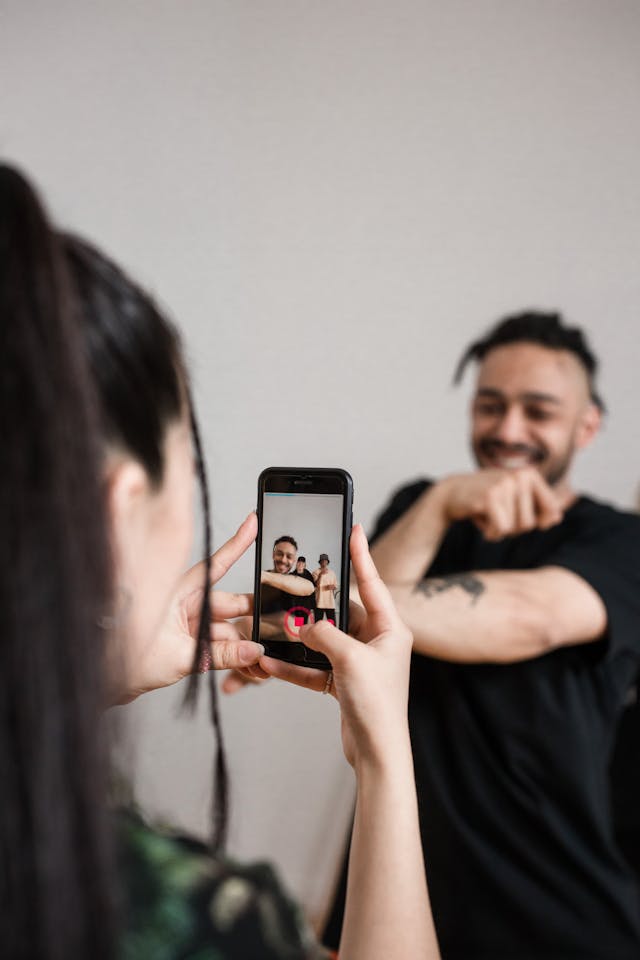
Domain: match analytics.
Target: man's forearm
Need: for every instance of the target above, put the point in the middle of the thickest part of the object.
(500, 616)
(297, 586)
(468, 619)
(406, 550)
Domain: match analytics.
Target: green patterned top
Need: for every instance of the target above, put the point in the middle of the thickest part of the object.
(182, 903)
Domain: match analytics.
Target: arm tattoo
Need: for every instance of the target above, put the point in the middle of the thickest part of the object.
(466, 581)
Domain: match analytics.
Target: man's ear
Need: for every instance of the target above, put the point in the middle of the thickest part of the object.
(589, 426)
(127, 495)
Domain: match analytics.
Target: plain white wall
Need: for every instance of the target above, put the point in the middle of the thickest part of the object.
(333, 198)
(314, 521)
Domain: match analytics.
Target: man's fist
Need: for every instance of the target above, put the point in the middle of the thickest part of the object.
(501, 503)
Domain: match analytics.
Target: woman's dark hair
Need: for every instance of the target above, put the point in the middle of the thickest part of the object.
(546, 330)
(135, 358)
(133, 353)
(55, 894)
(85, 357)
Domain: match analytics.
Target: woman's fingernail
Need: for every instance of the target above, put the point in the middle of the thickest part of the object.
(248, 516)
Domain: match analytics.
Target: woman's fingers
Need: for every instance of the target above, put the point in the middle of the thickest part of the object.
(232, 550)
(222, 559)
(230, 650)
(373, 593)
(327, 639)
(224, 606)
(357, 618)
(233, 654)
(237, 679)
(302, 676)
(227, 606)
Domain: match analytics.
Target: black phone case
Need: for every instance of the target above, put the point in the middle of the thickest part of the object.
(292, 651)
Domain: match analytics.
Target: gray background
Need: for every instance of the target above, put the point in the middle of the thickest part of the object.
(314, 521)
(332, 198)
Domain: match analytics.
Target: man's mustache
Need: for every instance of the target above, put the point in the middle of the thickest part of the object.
(512, 449)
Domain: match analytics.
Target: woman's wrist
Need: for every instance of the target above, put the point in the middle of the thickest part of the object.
(390, 756)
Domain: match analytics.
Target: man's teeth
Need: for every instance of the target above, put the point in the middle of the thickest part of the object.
(513, 463)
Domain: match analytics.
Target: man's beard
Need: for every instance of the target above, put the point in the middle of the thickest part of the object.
(553, 470)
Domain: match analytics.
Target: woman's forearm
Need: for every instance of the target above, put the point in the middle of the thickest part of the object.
(387, 912)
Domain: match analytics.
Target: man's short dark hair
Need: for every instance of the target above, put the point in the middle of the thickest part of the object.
(285, 539)
(547, 330)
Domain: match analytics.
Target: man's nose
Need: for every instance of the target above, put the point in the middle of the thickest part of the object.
(512, 427)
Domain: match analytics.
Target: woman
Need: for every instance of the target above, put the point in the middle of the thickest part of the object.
(96, 500)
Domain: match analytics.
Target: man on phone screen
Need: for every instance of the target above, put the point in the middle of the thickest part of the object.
(326, 586)
(281, 590)
(523, 596)
(306, 603)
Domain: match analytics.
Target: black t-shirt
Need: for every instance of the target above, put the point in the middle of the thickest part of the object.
(512, 760)
(309, 601)
(274, 600)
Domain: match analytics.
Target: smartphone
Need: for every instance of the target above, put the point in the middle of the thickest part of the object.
(305, 516)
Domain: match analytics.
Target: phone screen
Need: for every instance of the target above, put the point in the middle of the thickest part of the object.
(303, 556)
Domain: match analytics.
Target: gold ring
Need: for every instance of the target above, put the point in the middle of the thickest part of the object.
(329, 683)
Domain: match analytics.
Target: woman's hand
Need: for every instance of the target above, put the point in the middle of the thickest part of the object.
(370, 673)
(387, 912)
(169, 657)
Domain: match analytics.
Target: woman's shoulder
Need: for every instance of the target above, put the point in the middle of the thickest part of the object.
(181, 901)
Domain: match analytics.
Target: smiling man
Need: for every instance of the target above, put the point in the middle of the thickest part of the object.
(524, 600)
(285, 595)
(281, 589)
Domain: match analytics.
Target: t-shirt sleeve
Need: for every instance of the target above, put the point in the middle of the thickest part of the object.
(606, 554)
(397, 505)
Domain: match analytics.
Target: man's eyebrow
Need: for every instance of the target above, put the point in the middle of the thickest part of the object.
(531, 396)
(489, 392)
(538, 397)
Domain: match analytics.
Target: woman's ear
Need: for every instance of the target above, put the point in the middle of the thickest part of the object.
(589, 425)
(127, 504)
